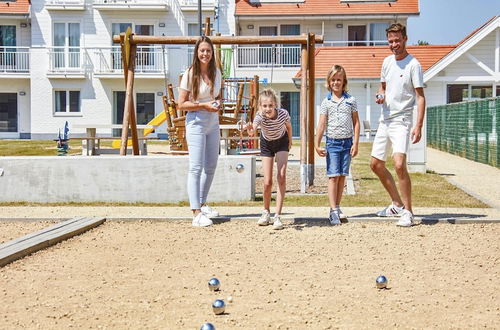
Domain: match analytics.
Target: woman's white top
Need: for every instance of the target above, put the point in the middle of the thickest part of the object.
(204, 90)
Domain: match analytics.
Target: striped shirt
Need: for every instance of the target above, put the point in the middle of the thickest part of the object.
(339, 116)
(272, 129)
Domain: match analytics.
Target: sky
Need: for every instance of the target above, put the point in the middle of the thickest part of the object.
(445, 22)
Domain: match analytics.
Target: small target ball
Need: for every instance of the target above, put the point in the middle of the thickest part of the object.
(240, 168)
(219, 306)
(207, 326)
(381, 282)
(230, 299)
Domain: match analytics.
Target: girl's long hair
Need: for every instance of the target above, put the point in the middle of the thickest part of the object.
(195, 69)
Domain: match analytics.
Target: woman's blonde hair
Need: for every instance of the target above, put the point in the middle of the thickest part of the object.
(333, 71)
(270, 93)
(195, 69)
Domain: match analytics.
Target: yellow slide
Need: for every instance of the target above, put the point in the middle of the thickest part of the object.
(157, 121)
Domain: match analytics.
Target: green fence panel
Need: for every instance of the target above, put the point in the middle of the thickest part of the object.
(467, 129)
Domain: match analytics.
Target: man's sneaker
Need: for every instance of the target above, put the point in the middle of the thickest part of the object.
(201, 220)
(209, 212)
(277, 224)
(334, 218)
(341, 214)
(391, 211)
(265, 218)
(406, 219)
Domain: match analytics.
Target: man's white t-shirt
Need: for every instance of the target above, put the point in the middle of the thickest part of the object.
(401, 78)
(204, 91)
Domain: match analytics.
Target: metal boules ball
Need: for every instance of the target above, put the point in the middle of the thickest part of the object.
(214, 284)
(240, 168)
(381, 282)
(207, 326)
(218, 306)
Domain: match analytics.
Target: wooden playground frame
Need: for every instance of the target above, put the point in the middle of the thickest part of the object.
(129, 41)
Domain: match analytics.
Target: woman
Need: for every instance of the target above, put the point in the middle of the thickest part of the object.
(198, 92)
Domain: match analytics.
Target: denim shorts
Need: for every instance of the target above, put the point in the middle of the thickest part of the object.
(338, 156)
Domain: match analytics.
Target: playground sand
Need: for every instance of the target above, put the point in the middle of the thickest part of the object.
(135, 275)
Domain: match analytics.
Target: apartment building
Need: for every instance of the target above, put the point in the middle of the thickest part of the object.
(61, 64)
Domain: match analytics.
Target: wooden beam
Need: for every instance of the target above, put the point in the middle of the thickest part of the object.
(129, 111)
(303, 117)
(310, 113)
(23, 246)
(227, 40)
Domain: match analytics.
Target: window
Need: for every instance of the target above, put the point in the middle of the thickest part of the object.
(291, 102)
(66, 45)
(145, 104)
(7, 38)
(8, 112)
(67, 101)
(356, 34)
(377, 34)
(464, 92)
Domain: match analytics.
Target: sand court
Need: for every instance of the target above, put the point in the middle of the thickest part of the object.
(143, 274)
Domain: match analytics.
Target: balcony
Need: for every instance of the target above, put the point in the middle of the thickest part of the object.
(151, 61)
(65, 4)
(352, 43)
(192, 5)
(155, 5)
(265, 56)
(14, 61)
(68, 62)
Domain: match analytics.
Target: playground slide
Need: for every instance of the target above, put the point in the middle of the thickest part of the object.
(158, 120)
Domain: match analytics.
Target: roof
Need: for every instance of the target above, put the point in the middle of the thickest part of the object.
(366, 62)
(18, 7)
(324, 7)
(463, 46)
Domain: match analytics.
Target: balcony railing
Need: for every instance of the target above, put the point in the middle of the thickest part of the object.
(67, 59)
(268, 55)
(14, 59)
(344, 43)
(192, 3)
(137, 4)
(150, 59)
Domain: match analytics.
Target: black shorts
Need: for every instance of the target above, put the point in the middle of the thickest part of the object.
(270, 148)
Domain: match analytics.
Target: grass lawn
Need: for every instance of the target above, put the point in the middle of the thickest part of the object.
(429, 189)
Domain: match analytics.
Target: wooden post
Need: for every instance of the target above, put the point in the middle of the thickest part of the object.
(166, 109)
(129, 111)
(208, 31)
(241, 89)
(173, 104)
(310, 114)
(304, 62)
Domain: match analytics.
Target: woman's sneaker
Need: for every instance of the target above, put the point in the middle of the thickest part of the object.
(391, 211)
(406, 219)
(277, 224)
(265, 218)
(334, 218)
(341, 214)
(209, 212)
(201, 220)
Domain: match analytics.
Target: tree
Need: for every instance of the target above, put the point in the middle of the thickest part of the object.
(422, 43)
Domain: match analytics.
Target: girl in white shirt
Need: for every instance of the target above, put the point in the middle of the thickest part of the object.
(198, 92)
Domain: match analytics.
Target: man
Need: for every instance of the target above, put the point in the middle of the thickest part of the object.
(401, 89)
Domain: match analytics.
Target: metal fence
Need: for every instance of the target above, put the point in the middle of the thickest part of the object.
(467, 129)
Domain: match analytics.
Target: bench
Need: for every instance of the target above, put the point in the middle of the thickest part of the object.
(91, 146)
(89, 142)
(367, 129)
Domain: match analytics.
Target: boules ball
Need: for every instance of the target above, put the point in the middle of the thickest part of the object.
(214, 284)
(218, 306)
(207, 326)
(230, 299)
(240, 168)
(381, 282)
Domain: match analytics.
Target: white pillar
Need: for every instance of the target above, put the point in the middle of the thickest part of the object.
(368, 107)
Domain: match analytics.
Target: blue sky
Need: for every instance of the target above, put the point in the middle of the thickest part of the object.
(443, 22)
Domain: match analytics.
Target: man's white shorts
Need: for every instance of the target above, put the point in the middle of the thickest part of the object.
(395, 133)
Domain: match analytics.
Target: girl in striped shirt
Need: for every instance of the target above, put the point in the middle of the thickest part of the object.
(275, 141)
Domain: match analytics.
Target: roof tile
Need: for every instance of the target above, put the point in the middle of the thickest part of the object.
(15, 7)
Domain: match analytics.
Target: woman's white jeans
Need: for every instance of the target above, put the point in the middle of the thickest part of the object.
(203, 138)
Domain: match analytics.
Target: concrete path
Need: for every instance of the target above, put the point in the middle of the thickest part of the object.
(479, 180)
(355, 214)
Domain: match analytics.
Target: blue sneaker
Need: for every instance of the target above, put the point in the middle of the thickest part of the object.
(334, 218)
